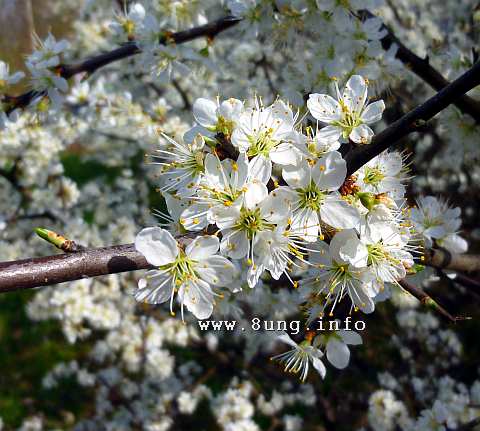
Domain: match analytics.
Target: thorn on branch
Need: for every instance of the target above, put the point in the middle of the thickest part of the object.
(59, 241)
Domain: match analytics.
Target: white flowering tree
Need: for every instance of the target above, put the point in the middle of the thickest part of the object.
(231, 181)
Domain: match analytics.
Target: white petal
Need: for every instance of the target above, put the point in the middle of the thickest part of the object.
(454, 243)
(260, 169)
(156, 290)
(283, 112)
(324, 108)
(240, 140)
(361, 134)
(286, 339)
(305, 223)
(17, 76)
(195, 217)
(319, 366)
(60, 83)
(276, 206)
(359, 294)
(157, 245)
(217, 271)
(338, 353)
(256, 193)
(253, 275)
(350, 337)
(346, 247)
(190, 135)
(297, 176)
(198, 298)
(234, 245)
(205, 112)
(338, 213)
(330, 171)
(226, 216)
(240, 174)
(355, 93)
(329, 134)
(285, 154)
(202, 247)
(373, 112)
(230, 109)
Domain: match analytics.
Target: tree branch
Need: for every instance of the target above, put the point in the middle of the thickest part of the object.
(44, 271)
(129, 49)
(413, 120)
(427, 301)
(422, 68)
(441, 258)
(92, 262)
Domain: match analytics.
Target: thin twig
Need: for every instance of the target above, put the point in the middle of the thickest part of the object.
(423, 69)
(187, 105)
(90, 65)
(441, 258)
(413, 120)
(426, 300)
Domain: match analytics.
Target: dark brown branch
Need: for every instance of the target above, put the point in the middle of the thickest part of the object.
(129, 49)
(44, 271)
(423, 69)
(414, 119)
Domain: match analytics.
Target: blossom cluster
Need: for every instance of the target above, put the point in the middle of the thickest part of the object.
(267, 197)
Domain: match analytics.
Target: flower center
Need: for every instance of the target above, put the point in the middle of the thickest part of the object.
(193, 163)
(432, 222)
(349, 120)
(251, 222)
(373, 176)
(224, 126)
(128, 27)
(378, 254)
(311, 197)
(182, 269)
(262, 143)
(340, 274)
